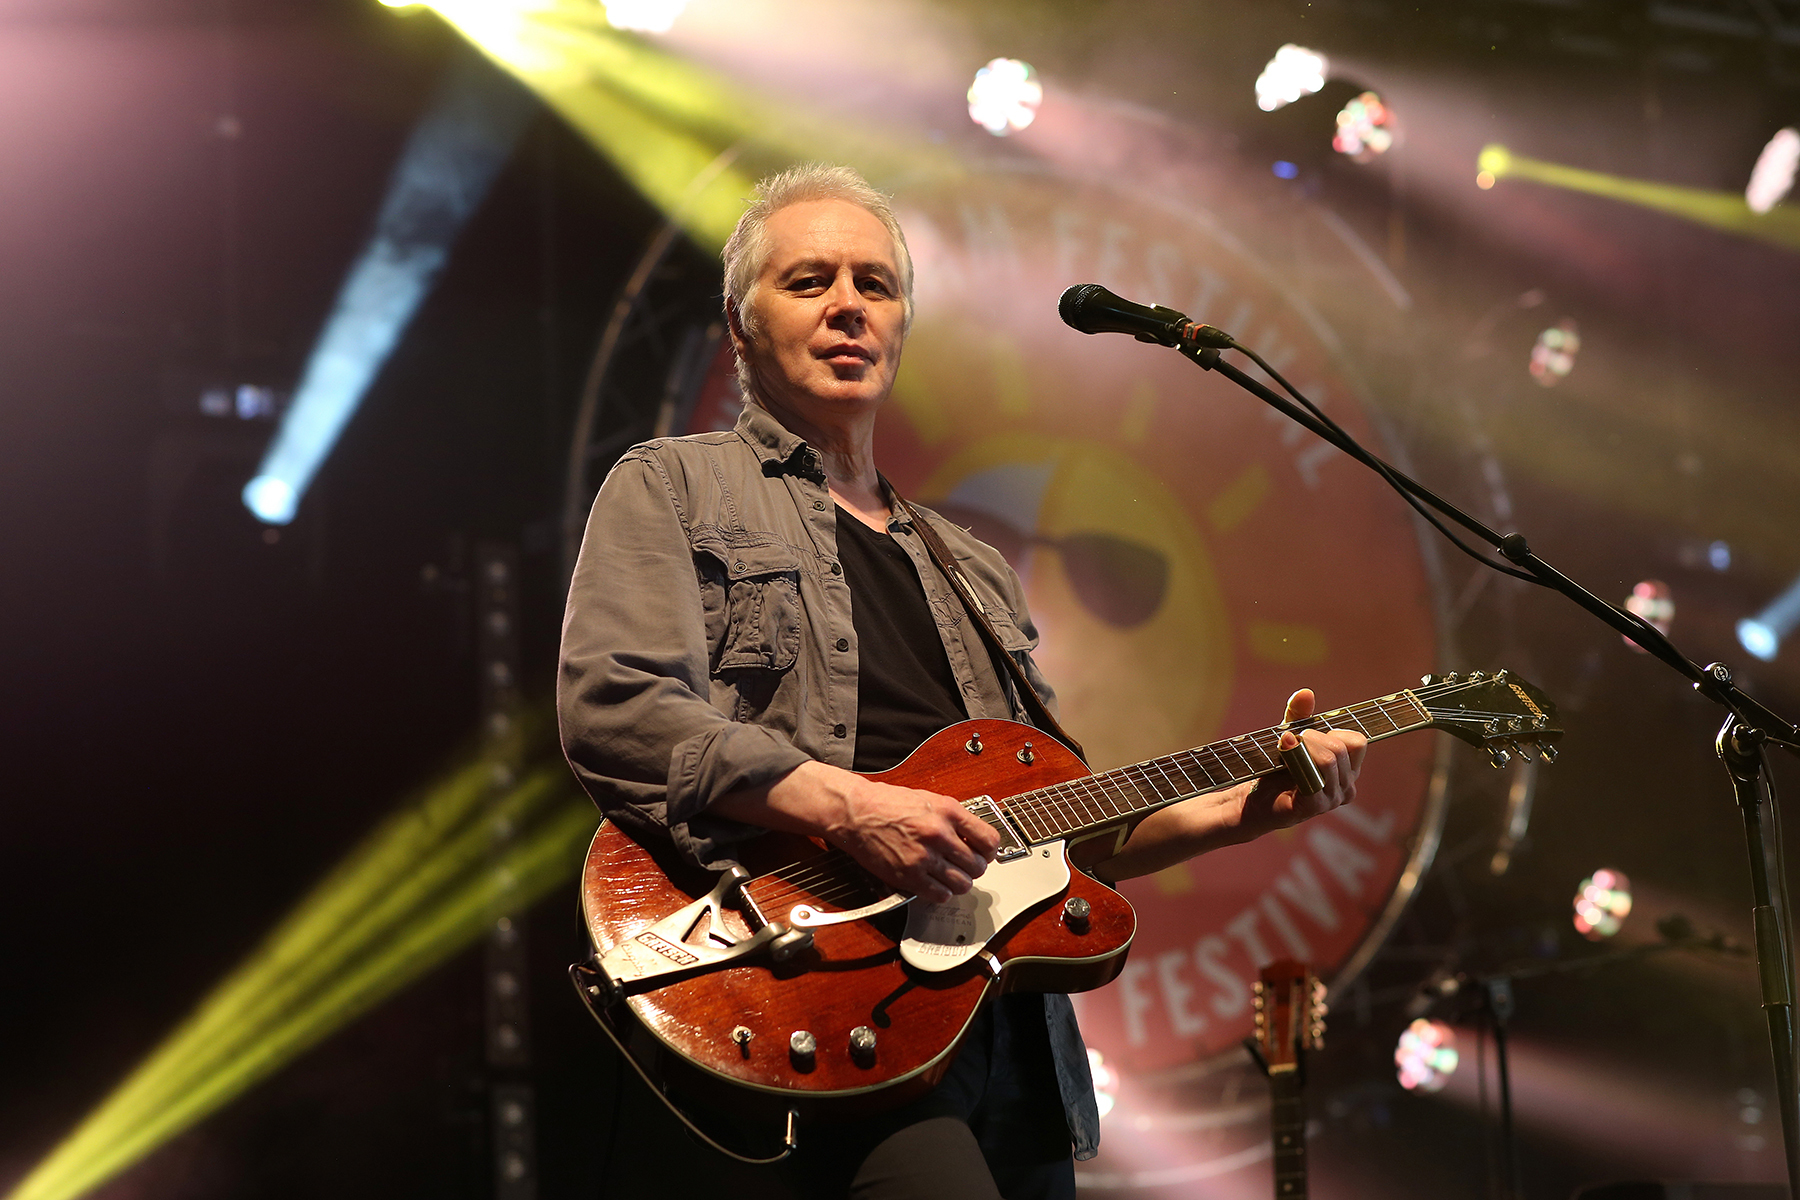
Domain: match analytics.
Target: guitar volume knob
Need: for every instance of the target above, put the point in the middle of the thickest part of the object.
(862, 1045)
(1076, 911)
(803, 1047)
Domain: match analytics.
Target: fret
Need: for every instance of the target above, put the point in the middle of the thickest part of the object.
(1024, 812)
(1232, 746)
(1219, 773)
(1146, 801)
(1200, 763)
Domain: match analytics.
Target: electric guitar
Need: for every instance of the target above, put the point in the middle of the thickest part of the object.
(797, 978)
(1290, 1018)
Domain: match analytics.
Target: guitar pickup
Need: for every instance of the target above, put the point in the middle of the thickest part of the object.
(1012, 843)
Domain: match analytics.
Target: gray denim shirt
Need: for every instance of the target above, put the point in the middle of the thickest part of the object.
(708, 646)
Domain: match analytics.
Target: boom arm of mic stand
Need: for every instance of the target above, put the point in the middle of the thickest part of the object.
(1713, 682)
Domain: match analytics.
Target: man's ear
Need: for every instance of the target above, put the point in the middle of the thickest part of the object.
(734, 324)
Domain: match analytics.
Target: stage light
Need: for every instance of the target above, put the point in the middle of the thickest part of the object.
(1718, 556)
(1294, 72)
(1602, 904)
(643, 16)
(1727, 211)
(1652, 600)
(1762, 634)
(422, 886)
(442, 176)
(1005, 96)
(1106, 1082)
(1365, 128)
(1426, 1056)
(1773, 176)
(1285, 170)
(1554, 355)
(1484, 180)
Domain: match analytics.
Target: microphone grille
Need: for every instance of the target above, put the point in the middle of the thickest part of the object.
(1073, 301)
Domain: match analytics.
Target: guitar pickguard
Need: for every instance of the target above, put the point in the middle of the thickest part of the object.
(940, 937)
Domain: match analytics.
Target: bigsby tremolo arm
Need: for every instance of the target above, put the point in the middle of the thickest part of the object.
(663, 952)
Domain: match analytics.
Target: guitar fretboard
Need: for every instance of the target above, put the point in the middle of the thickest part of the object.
(1096, 801)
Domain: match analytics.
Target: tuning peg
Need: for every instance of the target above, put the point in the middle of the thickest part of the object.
(1526, 750)
(1498, 756)
(1549, 753)
(1427, 680)
(1452, 677)
(1477, 676)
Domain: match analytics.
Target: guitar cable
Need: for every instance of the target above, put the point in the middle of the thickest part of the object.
(790, 1138)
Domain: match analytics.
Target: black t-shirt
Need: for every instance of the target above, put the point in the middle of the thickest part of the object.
(905, 691)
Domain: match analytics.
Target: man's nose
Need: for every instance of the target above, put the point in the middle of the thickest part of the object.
(843, 300)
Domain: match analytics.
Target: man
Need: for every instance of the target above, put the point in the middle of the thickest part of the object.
(754, 621)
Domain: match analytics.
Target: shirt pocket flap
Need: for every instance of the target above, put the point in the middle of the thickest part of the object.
(762, 605)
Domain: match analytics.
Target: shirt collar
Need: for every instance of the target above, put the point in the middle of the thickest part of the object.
(777, 449)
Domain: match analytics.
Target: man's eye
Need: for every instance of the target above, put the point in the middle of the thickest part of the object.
(875, 285)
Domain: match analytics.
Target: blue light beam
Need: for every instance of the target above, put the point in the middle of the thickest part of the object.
(1761, 635)
(448, 164)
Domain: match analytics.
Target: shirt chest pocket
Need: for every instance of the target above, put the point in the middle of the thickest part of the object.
(761, 627)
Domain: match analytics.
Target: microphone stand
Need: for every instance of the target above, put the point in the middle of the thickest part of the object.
(1494, 1000)
(1748, 724)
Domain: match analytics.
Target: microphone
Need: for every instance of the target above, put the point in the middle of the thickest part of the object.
(1090, 308)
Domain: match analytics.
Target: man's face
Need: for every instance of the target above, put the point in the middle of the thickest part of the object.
(830, 313)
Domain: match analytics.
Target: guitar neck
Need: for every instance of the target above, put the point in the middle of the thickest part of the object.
(1287, 1126)
(1094, 802)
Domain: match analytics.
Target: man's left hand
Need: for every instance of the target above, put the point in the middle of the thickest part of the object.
(1247, 811)
(1277, 803)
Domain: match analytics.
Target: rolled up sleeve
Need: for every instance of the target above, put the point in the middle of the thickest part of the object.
(633, 685)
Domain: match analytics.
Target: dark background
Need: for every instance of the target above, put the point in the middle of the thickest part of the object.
(199, 718)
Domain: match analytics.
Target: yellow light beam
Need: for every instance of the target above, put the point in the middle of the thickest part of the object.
(662, 119)
(1726, 211)
(281, 1002)
(349, 916)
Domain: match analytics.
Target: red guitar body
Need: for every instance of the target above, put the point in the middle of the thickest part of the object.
(852, 976)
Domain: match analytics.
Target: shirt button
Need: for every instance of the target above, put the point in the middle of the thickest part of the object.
(840, 731)
(837, 568)
(819, 505)
(843, 643)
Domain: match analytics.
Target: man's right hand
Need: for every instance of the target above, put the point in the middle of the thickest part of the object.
(913, 841)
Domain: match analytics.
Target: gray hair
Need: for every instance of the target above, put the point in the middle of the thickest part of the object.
(747, 250)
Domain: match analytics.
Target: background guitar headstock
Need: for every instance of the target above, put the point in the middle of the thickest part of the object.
(1290, 1013)
(1499, 713)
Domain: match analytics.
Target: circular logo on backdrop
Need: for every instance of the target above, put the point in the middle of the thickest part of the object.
(1189, 555)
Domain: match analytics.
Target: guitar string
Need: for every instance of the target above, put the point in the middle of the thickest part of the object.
(1043, 802)
(1092, 799)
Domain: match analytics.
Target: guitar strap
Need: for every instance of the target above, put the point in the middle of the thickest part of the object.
(1035, 708)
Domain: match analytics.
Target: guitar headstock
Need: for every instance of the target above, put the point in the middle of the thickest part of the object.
(1290, 1013)
(1499, 713)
